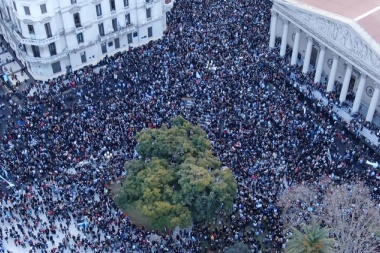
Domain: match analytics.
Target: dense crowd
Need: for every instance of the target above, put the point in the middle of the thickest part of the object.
(214, 67)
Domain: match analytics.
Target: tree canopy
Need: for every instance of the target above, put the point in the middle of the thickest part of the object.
(310, 239)
(347, 210)
(178, 180)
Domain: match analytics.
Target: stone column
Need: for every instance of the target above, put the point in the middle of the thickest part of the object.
(321, 58)
(359, 93)
(295, 47)
(284, 38)
(306, 61)
(374, 102)
(346, 83)
(330, 84)
(273, 28)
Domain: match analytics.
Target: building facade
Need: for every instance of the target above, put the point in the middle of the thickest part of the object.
(339, 45)
(51, 37)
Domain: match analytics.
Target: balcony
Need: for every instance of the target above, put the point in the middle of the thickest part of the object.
(149, 3)
(34, 41)
(44, 60)
(127, 29)
(168, 6)
(150, 20)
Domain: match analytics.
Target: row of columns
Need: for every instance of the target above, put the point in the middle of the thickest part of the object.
(319, 68)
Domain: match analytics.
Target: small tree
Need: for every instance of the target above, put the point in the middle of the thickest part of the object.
(178, 180)
(309, 239)
(348, 210)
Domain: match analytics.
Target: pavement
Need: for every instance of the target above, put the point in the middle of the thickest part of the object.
(10, 64)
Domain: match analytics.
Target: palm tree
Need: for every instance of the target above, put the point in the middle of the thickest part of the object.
(310, 239)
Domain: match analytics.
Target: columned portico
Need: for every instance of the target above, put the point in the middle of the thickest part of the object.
(334, 67)
(321, 58)
(374, 102)
(295, 47)
(273, 28)
(306, 62)
(346, 83)
(284, 38)
(359, 93)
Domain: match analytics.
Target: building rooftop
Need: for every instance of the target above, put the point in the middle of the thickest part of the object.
(365, 12)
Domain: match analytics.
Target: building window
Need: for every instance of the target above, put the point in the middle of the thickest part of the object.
(98, 10)
(117, 43)
(77, 20)
(83, 57)
(126, 3)
(56, 66)
(27, 10)
(36, 51)
(148, 13)
(112, 5)
(31, 29)
(130, 38)
(48, 30)
(80, 38)
(14, 6)
(127, 19)
(114, 24)
(43, 8)
(52, 49)
(104, 48)
(101, 29)
(73, 1)
(150, 32)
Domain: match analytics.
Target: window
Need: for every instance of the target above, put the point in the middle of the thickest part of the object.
(80, 38)
(104, 48)
(114, 24)
(101, 29)
(73, 1)
(31, 29)
(112, 5)
(14, 6)
(150, 32)
(77, 20)
(148, 13)
(52, 49)
(130, 38)
(98, 8)
(83, 57)
(127, 19)
(56, 66)
(27, 10)
(43, 8)
(48, 30)
(126, 3)
(117, 43)
(36, 51)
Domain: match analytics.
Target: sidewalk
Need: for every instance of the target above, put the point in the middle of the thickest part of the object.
(10, 64)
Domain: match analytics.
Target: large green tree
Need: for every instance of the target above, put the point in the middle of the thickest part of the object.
(178, 180)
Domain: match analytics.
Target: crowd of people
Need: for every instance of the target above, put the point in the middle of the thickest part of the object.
(214, 54)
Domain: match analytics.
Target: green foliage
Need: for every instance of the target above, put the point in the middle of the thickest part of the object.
(238, 247)
(310, 239)
(178, 180)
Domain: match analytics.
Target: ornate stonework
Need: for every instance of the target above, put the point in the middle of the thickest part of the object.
(339, 36)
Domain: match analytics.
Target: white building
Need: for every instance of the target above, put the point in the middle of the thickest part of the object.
(337, 39)
(51, 36)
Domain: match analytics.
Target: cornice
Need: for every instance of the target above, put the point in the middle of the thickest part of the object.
(339, 35)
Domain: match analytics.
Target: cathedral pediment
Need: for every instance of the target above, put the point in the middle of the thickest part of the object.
(341, 34)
